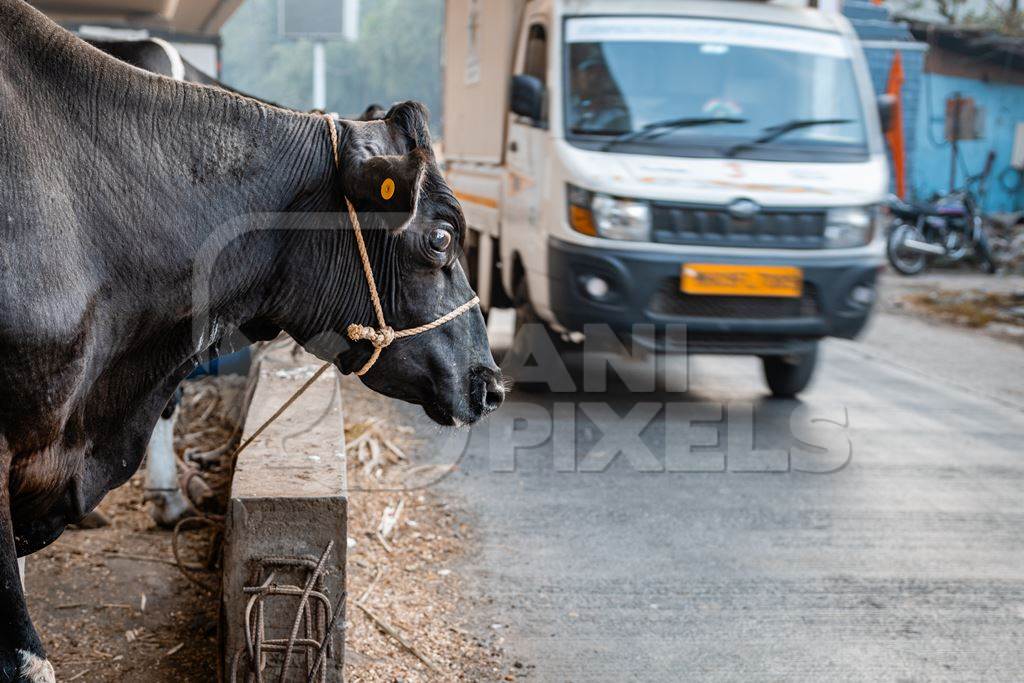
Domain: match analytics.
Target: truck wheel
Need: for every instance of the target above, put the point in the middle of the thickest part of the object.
(533, 336)
(498, 297)
(787, 376)
(467, 260)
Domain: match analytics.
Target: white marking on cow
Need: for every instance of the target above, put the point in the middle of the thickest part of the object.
(177, 64)
(36, 669)
(206, 336)
(162, 490)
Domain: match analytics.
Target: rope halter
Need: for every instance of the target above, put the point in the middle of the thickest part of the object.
(383, 335)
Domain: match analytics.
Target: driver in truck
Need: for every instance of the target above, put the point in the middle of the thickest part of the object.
(597, 102)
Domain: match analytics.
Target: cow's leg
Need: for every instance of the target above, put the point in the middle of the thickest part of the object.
(22, 659)
(167, 505)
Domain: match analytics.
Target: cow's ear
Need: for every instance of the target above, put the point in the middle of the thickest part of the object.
(389, 186)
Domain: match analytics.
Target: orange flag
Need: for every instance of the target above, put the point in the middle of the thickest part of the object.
(897, 144)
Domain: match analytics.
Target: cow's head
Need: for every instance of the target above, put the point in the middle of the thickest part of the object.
(415, 228)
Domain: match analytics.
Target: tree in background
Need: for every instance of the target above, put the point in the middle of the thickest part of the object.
(397, 57)
(1004, 16)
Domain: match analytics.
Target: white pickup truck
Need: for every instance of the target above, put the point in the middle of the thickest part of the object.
(652, 164)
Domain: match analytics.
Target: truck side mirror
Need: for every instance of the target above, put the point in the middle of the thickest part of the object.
(528, 97)
(886, 108)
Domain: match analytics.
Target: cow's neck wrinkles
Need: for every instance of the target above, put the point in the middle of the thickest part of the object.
(133, 184)
(184, 168)
(262, 157)
(199, 165)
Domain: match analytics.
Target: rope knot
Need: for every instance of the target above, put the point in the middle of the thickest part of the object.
(382, 336)
(381, 339)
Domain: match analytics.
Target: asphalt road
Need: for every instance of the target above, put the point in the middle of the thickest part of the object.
(894, 551)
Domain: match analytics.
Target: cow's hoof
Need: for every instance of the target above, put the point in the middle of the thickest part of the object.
(35, 669)
(167, 508)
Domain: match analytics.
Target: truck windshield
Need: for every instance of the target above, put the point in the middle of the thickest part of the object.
(626, 77)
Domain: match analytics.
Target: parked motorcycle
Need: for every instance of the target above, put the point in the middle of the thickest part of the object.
(950, 228)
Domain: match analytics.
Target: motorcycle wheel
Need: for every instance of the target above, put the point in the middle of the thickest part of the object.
(905, 261)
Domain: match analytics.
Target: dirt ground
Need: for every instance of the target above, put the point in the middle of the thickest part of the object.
(407, 580)
(993, 305)
(111, 605)
(974, 308)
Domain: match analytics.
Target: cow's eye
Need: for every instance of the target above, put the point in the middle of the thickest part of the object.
(440, 239)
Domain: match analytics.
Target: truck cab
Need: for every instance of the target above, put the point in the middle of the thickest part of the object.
(714, 167)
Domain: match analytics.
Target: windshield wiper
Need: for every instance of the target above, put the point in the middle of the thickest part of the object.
(658, 128)
(773, 133)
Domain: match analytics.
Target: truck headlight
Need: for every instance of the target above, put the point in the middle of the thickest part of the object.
(600, 215)
(849, 227)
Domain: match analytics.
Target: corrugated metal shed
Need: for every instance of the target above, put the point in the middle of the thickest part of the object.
(983, 44)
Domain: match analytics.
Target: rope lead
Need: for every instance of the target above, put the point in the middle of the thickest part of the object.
(383, 335)
(380, 337)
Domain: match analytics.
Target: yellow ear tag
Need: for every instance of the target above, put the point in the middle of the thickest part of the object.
(387, 189)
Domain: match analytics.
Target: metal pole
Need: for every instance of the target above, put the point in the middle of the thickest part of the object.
(955, 151)
(319, 76)
(351, 25)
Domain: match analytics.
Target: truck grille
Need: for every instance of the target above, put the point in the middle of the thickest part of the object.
(669, 301)
(714, 226)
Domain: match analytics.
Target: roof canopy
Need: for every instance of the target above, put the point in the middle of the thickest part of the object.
(203, 17)
(984, 45)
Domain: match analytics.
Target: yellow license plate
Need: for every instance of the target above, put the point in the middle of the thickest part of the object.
(718, 279)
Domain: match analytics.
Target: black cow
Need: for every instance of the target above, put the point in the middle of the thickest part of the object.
(142, 221)
(374, 112)
(158, 56)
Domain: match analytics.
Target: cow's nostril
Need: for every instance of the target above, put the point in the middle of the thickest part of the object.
(487, 388)
(495, 396)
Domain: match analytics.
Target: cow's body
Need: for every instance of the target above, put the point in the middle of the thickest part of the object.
(167, 504)
(96, 242)
(141, 221)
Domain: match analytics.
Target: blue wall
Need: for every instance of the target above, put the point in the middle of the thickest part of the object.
(1003, 106)
(882, 37)
(924, 111)
(880, 62)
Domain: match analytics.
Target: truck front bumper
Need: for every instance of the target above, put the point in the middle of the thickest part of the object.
(643, 289)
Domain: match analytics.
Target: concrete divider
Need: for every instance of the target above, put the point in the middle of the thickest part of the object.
(286, 530)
